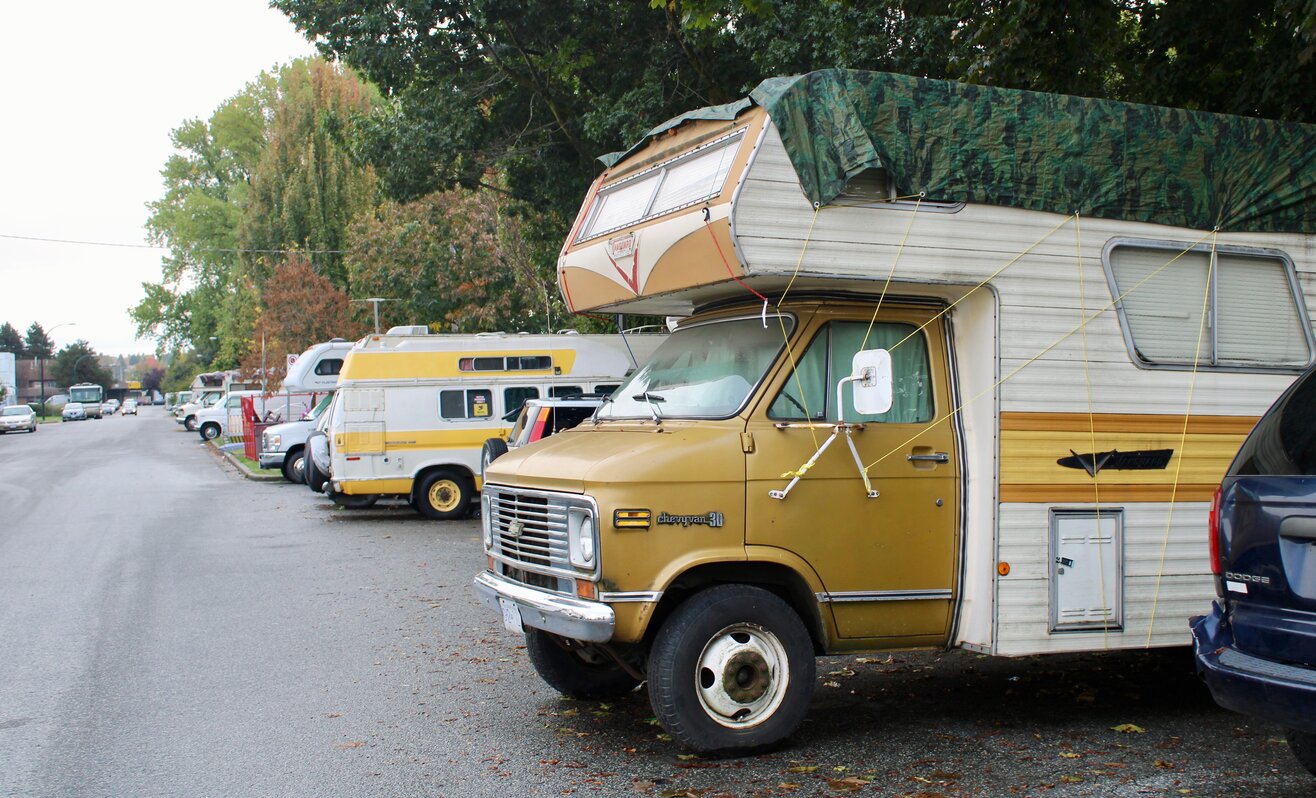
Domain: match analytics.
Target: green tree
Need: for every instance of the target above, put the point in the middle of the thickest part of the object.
(78, 362)
(11, 340)
(456, 260)
(307, 188)
(37, 344)
(152, 380)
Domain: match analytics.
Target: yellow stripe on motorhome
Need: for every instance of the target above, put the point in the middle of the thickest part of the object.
(369, 364)
(1031, 444)
(356, 443)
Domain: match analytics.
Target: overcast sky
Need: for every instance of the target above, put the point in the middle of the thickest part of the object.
(92, 90)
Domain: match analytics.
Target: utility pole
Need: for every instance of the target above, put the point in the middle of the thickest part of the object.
(375, 300)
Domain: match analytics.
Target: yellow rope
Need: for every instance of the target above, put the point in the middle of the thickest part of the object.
(1034, 358)
(781, 320)
(1183, 438)
(899, 251)
(1092, 437)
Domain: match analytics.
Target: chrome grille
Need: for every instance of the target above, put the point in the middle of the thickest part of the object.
(529, 534)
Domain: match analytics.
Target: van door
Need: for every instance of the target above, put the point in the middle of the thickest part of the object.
(888, 564)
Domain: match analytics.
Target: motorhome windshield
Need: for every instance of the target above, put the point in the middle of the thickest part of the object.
(702, 371)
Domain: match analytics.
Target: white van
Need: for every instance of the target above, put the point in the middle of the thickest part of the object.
(415, 410)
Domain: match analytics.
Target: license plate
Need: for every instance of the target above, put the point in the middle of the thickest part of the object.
(511, 616)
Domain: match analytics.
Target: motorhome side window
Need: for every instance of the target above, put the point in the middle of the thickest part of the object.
(474, 403)
(514, 398)
(329, 366)
(559, 391)
(810, 392)
(1254, 319)
(513, 363)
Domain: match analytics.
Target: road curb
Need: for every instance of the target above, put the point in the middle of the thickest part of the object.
(241, 466)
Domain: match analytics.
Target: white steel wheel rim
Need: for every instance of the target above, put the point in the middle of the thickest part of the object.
(741, 676)
(299, 468)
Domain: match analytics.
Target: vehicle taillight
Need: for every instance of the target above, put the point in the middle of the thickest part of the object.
(1213, 532)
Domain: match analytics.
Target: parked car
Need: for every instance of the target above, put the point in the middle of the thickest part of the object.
(17, 418)
(109, 406)
(1257, 648)
(73, 411)
(283, 446)
(538, 419)
(129, 408)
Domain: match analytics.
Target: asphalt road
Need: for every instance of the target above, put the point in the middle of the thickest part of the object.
(168, 628)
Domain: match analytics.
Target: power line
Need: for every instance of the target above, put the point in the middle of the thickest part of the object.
(157, 246)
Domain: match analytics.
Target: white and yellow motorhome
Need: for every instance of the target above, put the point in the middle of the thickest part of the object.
(414, 410)
(1085, 304)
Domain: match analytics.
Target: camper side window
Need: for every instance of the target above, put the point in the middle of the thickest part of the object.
(1254, 318)
(472, 403)
(810, 392)
(329, 366)
(514, 398)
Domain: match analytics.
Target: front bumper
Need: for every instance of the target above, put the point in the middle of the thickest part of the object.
(271, 459)
(1274, 691)
(568, 616)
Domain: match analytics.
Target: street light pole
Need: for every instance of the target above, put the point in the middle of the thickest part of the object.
(42, 361)
(375, 300)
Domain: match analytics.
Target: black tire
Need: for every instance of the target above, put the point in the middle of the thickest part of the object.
(209, 431)
(738, 637)
(1303, 746)
(576, 672)
(189, 423)
(315, 478)
(493, 449)
(444, 495)
(294, 465)
(353, 502)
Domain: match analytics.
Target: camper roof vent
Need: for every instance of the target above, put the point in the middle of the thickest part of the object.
(409, 329)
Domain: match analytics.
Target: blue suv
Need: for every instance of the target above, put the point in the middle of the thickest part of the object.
(1257, 648)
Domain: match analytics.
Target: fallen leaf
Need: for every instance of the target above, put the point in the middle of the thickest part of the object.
(1163, 765)
(667, 738)
(644, 786)
(802, 769)
(354, 744)
(787, 785)
(1070, 755)
(830, 683)
(1071, 779)
(847, 784)
(1128, 728)
(687, 757)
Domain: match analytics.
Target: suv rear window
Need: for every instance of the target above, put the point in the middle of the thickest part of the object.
(1284, 440)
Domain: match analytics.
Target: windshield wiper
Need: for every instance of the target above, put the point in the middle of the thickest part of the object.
(650, 400)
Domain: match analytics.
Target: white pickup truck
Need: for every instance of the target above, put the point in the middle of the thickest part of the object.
(283, 446)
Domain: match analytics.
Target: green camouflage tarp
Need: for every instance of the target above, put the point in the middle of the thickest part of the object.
(957, 142)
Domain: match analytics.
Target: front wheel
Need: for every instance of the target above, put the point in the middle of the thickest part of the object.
(731, 671)
(294, 466)
(1303, 746)
(209, 432)
(315, 478)
(444, 495)
(189, 423)
(575, 670)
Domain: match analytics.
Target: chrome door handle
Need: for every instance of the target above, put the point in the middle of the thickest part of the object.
(935, 457)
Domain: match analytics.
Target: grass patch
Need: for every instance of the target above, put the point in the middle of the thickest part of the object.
(255, 466)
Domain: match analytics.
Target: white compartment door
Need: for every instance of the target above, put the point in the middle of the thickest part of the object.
(1086, 569)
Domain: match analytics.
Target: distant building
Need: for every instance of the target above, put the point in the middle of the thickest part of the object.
(28, 379)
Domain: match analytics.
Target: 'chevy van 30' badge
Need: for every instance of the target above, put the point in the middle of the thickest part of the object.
(713, 519)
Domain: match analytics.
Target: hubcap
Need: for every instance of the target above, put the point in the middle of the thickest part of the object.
(299, 468)
(444, 495)
(741, 675)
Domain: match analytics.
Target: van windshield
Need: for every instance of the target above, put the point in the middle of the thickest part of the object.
(702, 371)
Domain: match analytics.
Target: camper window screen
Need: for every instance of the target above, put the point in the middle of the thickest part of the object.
(1253, 320)
(683, 181)
(472, 403)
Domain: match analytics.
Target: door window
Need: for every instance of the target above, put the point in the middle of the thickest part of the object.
(810, 392)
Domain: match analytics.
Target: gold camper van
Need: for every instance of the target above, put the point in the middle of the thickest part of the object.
(948, 375)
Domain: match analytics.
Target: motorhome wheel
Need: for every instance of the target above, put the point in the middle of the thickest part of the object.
(347, 502)
(444, 495)
(294, 466)
(731, 670)
(574, 670)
